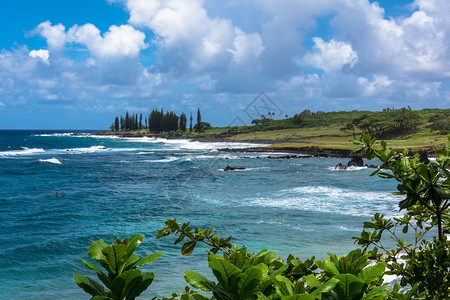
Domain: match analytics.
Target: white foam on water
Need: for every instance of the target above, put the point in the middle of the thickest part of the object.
(192, 145)
(24, 151)
(91, 149)
(51, 161)
(223, 156)
(329, 199)
(349, 169)
(104, 136)
(165, 160)
(57, 134)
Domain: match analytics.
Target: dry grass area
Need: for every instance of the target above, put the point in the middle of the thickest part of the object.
(333, 138)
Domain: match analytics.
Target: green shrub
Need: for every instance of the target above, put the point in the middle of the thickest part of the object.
(122, 279)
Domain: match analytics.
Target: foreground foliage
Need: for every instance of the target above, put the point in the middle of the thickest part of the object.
(122, 279)
(421, 265)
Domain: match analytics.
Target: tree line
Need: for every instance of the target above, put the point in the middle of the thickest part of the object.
(386, 123)
(158, 121)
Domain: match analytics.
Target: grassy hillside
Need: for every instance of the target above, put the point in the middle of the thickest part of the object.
(325, 130)
(428, 130)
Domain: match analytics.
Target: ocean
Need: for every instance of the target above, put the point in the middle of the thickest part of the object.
(112, 187)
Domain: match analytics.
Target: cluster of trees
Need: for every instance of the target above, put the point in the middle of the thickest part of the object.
(159, 122)
(385, 123)
(298, 118)
(441, 123)
(133, 122)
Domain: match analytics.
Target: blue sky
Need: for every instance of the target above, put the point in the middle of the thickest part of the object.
(77, 64)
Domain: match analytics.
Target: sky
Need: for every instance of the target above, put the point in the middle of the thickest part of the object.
(78, 64)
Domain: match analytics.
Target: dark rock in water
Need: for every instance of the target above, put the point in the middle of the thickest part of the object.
(424, 157)
(288, 156)
(371, 166)
(340, 166)
(228, 168)
(356, 162)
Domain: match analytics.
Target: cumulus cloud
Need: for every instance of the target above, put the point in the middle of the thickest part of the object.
(54, 34)
(118, 41)
(41, 53)
(331, 56)
(197, 41)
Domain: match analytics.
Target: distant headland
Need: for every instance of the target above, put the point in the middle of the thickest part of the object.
(314, 133)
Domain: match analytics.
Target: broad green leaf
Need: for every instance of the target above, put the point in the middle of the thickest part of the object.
(264, 271)
(89, 285)
(298, 297)
(328, 266)
(372, 273)
(101, 298)
(115, 257)
(130, 262)
(149, 259)
(103, 277)
(312, 281)
(225, 272)
(134, 242)
(197, 297)
(261, 296)
(283, 286)
(443, 192)
(247, 282)
(348, 287)
(358, 264)
(141, 285)
(237, 259)
(326, 287)
(196, 280)
(385, 175)
(357, 151)
(188, 247)
(344, 265)
(375, 293)
(95, 250)
(125, 282)
(279, 271)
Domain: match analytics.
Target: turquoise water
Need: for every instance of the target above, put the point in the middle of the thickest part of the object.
(118, 187)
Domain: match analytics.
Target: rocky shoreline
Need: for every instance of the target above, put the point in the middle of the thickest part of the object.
(305, 151)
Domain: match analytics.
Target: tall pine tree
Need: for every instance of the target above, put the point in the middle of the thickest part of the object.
(116, 124)
(183, 122)
(199, 121)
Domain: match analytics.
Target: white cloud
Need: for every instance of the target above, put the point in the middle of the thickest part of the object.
(41, 53)
(246, 46)
(195, 40)
(331, 56)
(118, 41)
(54, 34)
(376, 87)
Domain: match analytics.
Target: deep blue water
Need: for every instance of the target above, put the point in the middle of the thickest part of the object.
(118, 187)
